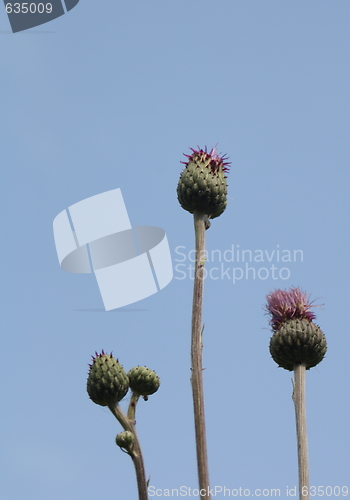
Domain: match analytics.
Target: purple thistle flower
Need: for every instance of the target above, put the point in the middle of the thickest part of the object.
(284, 305)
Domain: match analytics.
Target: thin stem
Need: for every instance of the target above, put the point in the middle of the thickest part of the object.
(200, 222)
(300, 415)
(132, 407)
(136, 454)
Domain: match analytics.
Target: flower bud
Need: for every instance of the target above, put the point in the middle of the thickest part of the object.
(107, 381)
(202, 187)
(143, 381)
(125, 440)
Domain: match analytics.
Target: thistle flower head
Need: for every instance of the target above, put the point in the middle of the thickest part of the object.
(296, 339)
(143, 381)
(285, 305)
(202, 187)
(125, 440)
(107, 381)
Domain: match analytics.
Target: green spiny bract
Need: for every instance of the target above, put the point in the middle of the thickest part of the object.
(298, 341)
(143, 381)
(125, 440)
(107, 381)
(202, 187)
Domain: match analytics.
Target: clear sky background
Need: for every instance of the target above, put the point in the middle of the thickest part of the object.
(110, 96)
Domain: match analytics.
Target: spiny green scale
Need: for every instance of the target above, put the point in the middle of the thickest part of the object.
(107, 381)
(202, 187)
(143, 381)
(298, 341)
(125, 440)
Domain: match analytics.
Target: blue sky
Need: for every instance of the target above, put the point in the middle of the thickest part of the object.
(111, 97)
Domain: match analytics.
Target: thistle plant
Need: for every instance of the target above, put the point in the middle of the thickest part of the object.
(107, 385)
(297, 344)
(202, 191)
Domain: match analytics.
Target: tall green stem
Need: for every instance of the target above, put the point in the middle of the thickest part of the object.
(200, 222)
(300, 415)
(136, 454)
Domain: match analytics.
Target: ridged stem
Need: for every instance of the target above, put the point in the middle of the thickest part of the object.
(299, 399)
(200, 222)
(136, 455)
